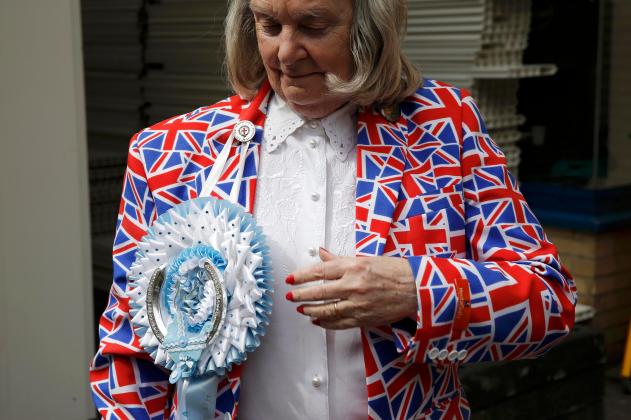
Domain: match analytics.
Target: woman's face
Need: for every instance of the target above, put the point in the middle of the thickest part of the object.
(301, 41)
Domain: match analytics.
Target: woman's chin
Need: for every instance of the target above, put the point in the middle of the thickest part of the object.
(310, 100)
(316, 109)
(303, 99)
(303, 94)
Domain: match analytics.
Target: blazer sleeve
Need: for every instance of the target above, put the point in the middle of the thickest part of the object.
(125, 383)
(510, 297)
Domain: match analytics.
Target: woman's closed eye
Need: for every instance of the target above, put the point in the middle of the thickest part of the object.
(271, 27)
(314, 29)
(275, 28)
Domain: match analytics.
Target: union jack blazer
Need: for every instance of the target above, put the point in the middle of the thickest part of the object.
(432, 187)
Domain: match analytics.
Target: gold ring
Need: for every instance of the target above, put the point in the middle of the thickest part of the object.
(337, 313)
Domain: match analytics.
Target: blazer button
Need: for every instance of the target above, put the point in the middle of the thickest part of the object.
(453, 356)
(433, 353)
(442, 355)
(462, 354)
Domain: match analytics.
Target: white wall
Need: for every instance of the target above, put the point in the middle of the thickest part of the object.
(45, 281)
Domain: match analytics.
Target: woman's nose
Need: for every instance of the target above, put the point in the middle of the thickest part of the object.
(290, 49)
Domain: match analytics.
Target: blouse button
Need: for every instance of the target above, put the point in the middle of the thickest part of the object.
(316, 381)
(312, 251)
(313, 124)
(313, 143)
(315, 196)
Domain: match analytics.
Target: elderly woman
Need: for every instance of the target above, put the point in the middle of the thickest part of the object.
(405, 245)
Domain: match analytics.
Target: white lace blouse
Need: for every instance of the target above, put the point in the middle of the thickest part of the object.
(305, 198)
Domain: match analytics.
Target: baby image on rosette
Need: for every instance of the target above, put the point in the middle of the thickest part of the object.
(200, 296)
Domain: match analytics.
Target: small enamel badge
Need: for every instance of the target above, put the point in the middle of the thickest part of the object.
(244, 131)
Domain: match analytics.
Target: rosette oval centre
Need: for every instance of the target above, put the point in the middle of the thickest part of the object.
(188, 306)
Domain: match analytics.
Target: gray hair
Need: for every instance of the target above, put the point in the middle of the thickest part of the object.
(382, 73)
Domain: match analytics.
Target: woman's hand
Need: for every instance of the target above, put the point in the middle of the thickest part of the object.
(357, 292)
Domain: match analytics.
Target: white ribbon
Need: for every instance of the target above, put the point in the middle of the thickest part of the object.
(219, 165)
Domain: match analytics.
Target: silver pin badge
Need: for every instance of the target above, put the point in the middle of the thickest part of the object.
(244, 131)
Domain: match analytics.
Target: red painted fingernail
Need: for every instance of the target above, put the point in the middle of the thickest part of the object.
(315, 322)
(301, 309)
(290, 279)
(289, 296)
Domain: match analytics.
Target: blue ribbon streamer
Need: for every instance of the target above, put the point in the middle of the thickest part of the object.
(197, 397)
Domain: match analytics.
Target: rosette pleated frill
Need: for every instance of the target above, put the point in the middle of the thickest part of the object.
(200, 295)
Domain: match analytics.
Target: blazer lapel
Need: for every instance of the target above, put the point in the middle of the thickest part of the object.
(381, 147)
(222, 122)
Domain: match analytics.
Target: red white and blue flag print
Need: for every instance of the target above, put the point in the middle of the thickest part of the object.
(431, 187)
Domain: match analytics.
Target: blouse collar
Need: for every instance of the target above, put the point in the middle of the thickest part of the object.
(339, 127)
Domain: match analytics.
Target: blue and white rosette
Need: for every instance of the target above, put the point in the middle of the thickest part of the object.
(200, 296)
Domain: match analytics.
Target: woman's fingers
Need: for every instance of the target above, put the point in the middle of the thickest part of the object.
(330, 290)
(331, 268)
(328, 311)
(338, 324)
(368, 291)
(326, 255)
